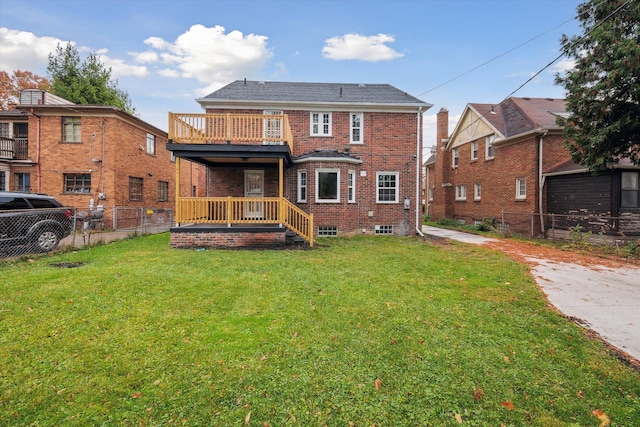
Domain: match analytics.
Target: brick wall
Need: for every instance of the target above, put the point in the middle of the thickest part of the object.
(190, 240)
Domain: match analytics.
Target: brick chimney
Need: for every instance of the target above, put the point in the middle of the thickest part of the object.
(443, 195)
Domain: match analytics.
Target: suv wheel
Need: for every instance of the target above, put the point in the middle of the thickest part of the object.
(45, 240)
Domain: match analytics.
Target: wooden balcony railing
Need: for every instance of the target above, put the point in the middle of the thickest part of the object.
(261, 129)
(245, 210)
(14, 148)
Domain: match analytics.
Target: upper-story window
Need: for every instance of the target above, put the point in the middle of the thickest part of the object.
(151, 144)
(489, 148)
(4, 130)
(320, 124)
(71, 129)
(455, 158)
(356, 128)
(474, 150)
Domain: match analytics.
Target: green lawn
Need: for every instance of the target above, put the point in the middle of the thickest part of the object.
(364, 331)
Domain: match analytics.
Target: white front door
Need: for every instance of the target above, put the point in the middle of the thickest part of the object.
(253, 188)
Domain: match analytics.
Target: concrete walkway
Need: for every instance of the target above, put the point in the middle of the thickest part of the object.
(602, 298)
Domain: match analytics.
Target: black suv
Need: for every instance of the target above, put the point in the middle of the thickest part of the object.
(32, 222)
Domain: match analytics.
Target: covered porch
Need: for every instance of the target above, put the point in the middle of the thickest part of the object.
(245, 145)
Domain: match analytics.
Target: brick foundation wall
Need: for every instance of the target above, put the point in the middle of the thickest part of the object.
(219, 240)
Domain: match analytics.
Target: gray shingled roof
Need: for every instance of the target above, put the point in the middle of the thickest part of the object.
(299, 92)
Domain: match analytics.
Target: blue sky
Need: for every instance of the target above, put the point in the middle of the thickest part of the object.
(166, 54)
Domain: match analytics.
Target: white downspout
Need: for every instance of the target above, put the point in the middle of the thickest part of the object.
(418, 170)
(541, 182)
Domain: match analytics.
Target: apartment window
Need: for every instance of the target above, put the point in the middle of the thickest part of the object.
(521, 188)
(430, 194)
(4, 130)
(320, 124)
(387, 187)
(356, 128)
(384, 229)
(77, 182)
(477, 191)
(630, 190)
(474, 150)
(327, 231)
(461, 192)
(489, 148)
(351, 187)
(135, 188)
(22, 182)
(327, 185)
(151, 144)
(455, 157)
(71, 129)
(3, 181)
(163, 191)
(302, 186)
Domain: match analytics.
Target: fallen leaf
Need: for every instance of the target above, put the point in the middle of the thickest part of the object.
(580, 395)
(377, 384)
(506, 359)
(263, 358)
(136, 395)
(247, 419)
(29, 309)
(508, 405)
(458, 418)
(477, 395)
(604, 420)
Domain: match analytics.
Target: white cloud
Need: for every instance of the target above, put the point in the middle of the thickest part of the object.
(119, 68)
(22, 50)
(169, 72)
(357, 46)
(210, 55)
(148, 57)
(564, 65)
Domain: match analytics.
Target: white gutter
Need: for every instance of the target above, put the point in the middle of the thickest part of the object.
(418, 169)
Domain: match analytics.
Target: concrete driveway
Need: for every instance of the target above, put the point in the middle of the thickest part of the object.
(603, 298)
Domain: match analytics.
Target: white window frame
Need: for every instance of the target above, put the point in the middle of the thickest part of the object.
(461, 192)
(327, 170)
(521, 188)
(303, 186)
(397, 187)
(477, 191)
(489, 150)
(474, 150)
(320, 123)
(455, 158)
(151, 144)
(430, 192)
(356, 121)
(71, 129)
(351, 186)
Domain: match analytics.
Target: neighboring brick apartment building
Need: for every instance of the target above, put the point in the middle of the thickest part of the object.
(351, 157)
(84, 153)
(508, 161)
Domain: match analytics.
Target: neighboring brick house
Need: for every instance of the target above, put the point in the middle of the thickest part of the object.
(88, 153)
(320, 159)
(509, 163)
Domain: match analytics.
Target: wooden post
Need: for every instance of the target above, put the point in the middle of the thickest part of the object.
(281, 208)
(178, 212)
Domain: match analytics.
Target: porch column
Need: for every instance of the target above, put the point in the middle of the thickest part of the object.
(178, 214)
(281, 207)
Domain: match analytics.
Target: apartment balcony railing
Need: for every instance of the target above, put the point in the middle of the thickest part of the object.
(245, 210)
(258, 129)
(14, 148)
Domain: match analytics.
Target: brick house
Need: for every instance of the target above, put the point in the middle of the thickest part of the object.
(88, 154)
(317, 159)
(509, 161)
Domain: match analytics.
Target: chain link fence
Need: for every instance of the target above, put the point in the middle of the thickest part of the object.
(43, 230)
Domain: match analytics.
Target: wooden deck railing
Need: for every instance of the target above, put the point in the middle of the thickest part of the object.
(245, 210)
(14, 148)
(264, 129)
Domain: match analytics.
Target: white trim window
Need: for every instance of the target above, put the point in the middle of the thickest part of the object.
(455, 158)
(461, 192)
(71, 129)
(302, 186)
(151, 144)
(474, 150)
(327, 185)
(321, 124)
(430, 192)
(356, 128)
(387, 187)
(477, 191)
(351, 186)
(521, 188)
(489, 148)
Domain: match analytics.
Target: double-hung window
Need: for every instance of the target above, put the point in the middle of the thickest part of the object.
(151, 144)
(630, 190)
(302, 186)
(351, 187)
(477, 191)
(455, 158)
(474, 150)
(461, 192)
(387, 187)
(71, 129)
(22, 182)
(521, 188)
(77, 183)
(356, 128)
(327, 185)
(489, 148)
(320, 124)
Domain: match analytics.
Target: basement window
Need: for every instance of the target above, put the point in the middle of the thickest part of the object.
(325, 231)
(384, 229)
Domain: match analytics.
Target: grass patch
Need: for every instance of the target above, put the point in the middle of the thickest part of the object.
(386, 331)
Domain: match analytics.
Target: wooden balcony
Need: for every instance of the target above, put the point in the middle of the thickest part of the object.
(14, 148)
(245, 210)
(253, 129)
